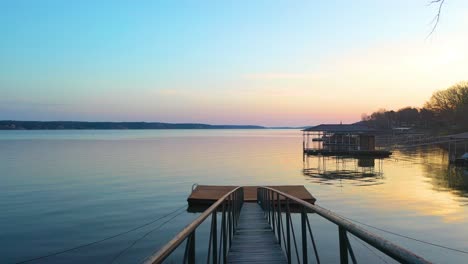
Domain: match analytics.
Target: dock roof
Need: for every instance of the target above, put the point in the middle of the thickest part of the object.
(343, 128)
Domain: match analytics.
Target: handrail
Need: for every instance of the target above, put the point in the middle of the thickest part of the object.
(236, 195)
(267, 199)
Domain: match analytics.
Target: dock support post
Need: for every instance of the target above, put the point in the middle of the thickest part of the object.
(343, 245)
(304, 235)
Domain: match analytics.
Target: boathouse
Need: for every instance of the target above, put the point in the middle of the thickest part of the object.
(341, 139)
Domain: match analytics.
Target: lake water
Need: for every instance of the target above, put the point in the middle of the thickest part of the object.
(60, 189)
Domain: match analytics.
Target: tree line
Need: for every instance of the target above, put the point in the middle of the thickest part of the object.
(445, 111)
(57, 125)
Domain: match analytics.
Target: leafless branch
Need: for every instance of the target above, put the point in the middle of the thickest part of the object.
(436, 19)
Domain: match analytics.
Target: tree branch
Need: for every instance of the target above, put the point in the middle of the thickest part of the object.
(436, 19)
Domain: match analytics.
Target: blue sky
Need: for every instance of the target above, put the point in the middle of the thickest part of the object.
(224, 62)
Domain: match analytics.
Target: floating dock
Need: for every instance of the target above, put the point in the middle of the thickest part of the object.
(204, 195)
(349, 140)
(350, 153)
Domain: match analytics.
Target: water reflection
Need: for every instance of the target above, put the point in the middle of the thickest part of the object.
(343, 170)
(109, 181)
(435, 167)
(448, 178)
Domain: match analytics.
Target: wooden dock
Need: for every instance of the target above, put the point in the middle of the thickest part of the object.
(254, 240)
(350, 153)
(208, 194)
(244, 232)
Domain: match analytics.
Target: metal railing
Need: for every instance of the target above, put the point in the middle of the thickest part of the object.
(276, 203)
(229, 205)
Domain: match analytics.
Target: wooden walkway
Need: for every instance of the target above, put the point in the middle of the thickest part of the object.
(254, 240)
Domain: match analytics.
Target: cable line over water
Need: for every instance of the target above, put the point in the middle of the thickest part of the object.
(146, 234)
(407, 237)
(364, 244)
(101, 240)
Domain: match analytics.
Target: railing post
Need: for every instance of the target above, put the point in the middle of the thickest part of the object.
(234, 210)
(268, 205)
(259, 198)
(304, 235)
(238, 205)
(262, 197)
(273, 218)
(230, 219)
(270, 208)
(215, 238)
(343, 245)
(279, 218)
(191, 249)
(260, 190)
(223, 223)
(288, 231)
(313, 241)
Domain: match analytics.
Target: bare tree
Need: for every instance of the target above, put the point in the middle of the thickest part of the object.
(451, 104)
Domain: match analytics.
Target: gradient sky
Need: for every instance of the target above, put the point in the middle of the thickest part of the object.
(274, 63)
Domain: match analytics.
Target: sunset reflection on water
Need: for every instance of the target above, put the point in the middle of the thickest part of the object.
(110, 181)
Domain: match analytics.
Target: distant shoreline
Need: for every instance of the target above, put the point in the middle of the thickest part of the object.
(83, 125)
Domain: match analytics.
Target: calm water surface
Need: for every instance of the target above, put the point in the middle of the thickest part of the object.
(59, 189)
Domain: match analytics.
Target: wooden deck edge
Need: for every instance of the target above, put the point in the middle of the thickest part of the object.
(204, 195)
(211, 201)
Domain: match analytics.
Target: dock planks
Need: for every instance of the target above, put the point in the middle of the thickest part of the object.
(254, 240)
(208, 194)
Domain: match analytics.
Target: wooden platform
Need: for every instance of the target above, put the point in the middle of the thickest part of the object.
(208, 194)
(254, 240)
